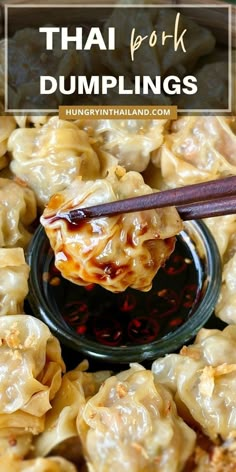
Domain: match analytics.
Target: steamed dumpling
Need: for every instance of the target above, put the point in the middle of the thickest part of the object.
(14, 274)
(202, 379)
(131, 424)
(30, 373)
(115, 252)
(130, 141)
(226, 305)
(17, 212)
(7, 125)
(50, 157)
(198, 149)
(76, 388)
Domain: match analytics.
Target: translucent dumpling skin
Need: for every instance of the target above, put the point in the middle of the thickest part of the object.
(30, 373)
(48, 158)
(115, 252)
(131, 425)
(17, 212)
(14, 274)
(203, 380)
(198, 149)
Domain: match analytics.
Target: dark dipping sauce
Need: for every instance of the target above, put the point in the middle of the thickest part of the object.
(131, 317)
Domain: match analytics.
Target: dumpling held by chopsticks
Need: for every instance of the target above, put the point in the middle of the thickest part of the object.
(115, 252)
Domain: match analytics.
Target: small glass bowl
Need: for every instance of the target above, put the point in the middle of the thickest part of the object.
(132, 326)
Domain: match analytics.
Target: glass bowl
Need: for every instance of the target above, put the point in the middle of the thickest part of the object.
(131, 326)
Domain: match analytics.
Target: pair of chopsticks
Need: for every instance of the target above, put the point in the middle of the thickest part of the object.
(204, 200)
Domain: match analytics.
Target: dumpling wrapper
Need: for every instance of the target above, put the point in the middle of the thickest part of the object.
(17, 211)
(131, 142)
(131, 424)
(76, 388)
(160, 59)
(197, 149)
(115, 252)
(202, 379)
(50, 464)
(14, 274)
(30, 372)
(7, 125)
(48, 158)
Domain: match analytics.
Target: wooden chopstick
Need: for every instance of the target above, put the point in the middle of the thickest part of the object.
(208, 209)
(213, 198)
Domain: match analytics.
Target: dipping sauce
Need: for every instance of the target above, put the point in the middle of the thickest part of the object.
(131, 317)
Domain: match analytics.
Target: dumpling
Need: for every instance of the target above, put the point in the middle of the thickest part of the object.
(30, 373)
(14, 274)
(226, 305)
(115, 252)
(51, 464)
(131, 424)
(50, 157)
(28, 59)
(202, 379)
(198, 149)
(223, 228)
(17, 212)
(7, 125)
(212, 81)
(130, 141)
(76, 388)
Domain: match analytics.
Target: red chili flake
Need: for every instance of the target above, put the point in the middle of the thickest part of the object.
(127, 302)
(163, 303)
(175, 265)
(76, 313)
(108, 331)
(189, 295)
(89, 287)
(143, 329)
(76, 307)
(136, 323)
(81, 329)
(176, 322)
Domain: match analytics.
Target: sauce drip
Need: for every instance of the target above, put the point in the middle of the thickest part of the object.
(130, 317)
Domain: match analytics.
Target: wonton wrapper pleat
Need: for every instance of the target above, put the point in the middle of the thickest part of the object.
(17, 211)
(51, 464)
(14, 274)
(30, 372)
(131, 142)
(202, 379)
(76, 387)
